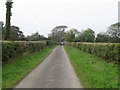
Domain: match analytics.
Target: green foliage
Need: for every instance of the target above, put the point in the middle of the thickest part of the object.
(74, 35)
(71, 35)
(50, 43)
(57, 34)
(114, 30)
(92, 71)
(87, 36)
(102, 37)
(14, 33)
(112, 35)
(35, 37)
(14, 49)
(107, 51)
(8, 19)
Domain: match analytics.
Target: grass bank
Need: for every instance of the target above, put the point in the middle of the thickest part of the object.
(15, 70)
(92, 71)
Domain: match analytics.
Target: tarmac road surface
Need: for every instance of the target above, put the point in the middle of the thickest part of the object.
(55, 71)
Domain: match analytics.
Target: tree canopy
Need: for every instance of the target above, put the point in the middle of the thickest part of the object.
(112, 35)
(87, 35)
(57, 34)
(15, 33)
(102, 37)
(35, 37)
(71, 35)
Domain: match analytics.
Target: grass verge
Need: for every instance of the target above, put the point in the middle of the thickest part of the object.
(92, 71)
(14, 71)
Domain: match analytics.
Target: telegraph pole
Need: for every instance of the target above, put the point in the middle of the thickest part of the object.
(1, 29)
(119, 17)
(8, 18)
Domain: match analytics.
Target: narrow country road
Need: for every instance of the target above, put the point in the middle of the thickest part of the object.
(54, 72)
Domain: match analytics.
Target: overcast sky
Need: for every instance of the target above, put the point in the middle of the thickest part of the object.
(43, 15)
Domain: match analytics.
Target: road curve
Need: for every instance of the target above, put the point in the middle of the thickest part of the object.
(55, 71)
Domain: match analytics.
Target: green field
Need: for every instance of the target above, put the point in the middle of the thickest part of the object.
(15, 70)
(92, 71)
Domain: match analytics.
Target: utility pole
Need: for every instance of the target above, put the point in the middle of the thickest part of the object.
(1, 29)
(119, 17)
(8, 18)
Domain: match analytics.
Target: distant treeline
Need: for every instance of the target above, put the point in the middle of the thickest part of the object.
(58, 34)
(17, 35)
(112, 35)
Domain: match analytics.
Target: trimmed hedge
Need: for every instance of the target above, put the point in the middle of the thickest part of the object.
(14, 49)
(107, 51)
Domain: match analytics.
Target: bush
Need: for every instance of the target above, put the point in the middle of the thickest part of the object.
(107, 51)
(14, 49)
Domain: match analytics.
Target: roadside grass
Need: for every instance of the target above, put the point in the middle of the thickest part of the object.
(16, 70)
(92, 71)
(0, 77)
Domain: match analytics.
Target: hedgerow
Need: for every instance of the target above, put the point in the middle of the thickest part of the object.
(107, 51)
(14, 49)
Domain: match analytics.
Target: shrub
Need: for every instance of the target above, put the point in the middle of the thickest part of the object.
(14, 49)
(107, 51)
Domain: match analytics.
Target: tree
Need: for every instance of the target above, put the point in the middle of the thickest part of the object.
(36, 37)
(57, 34)
(102, 37)
(87, 35)
(71, 35)
(114, 32)
(15, 33)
